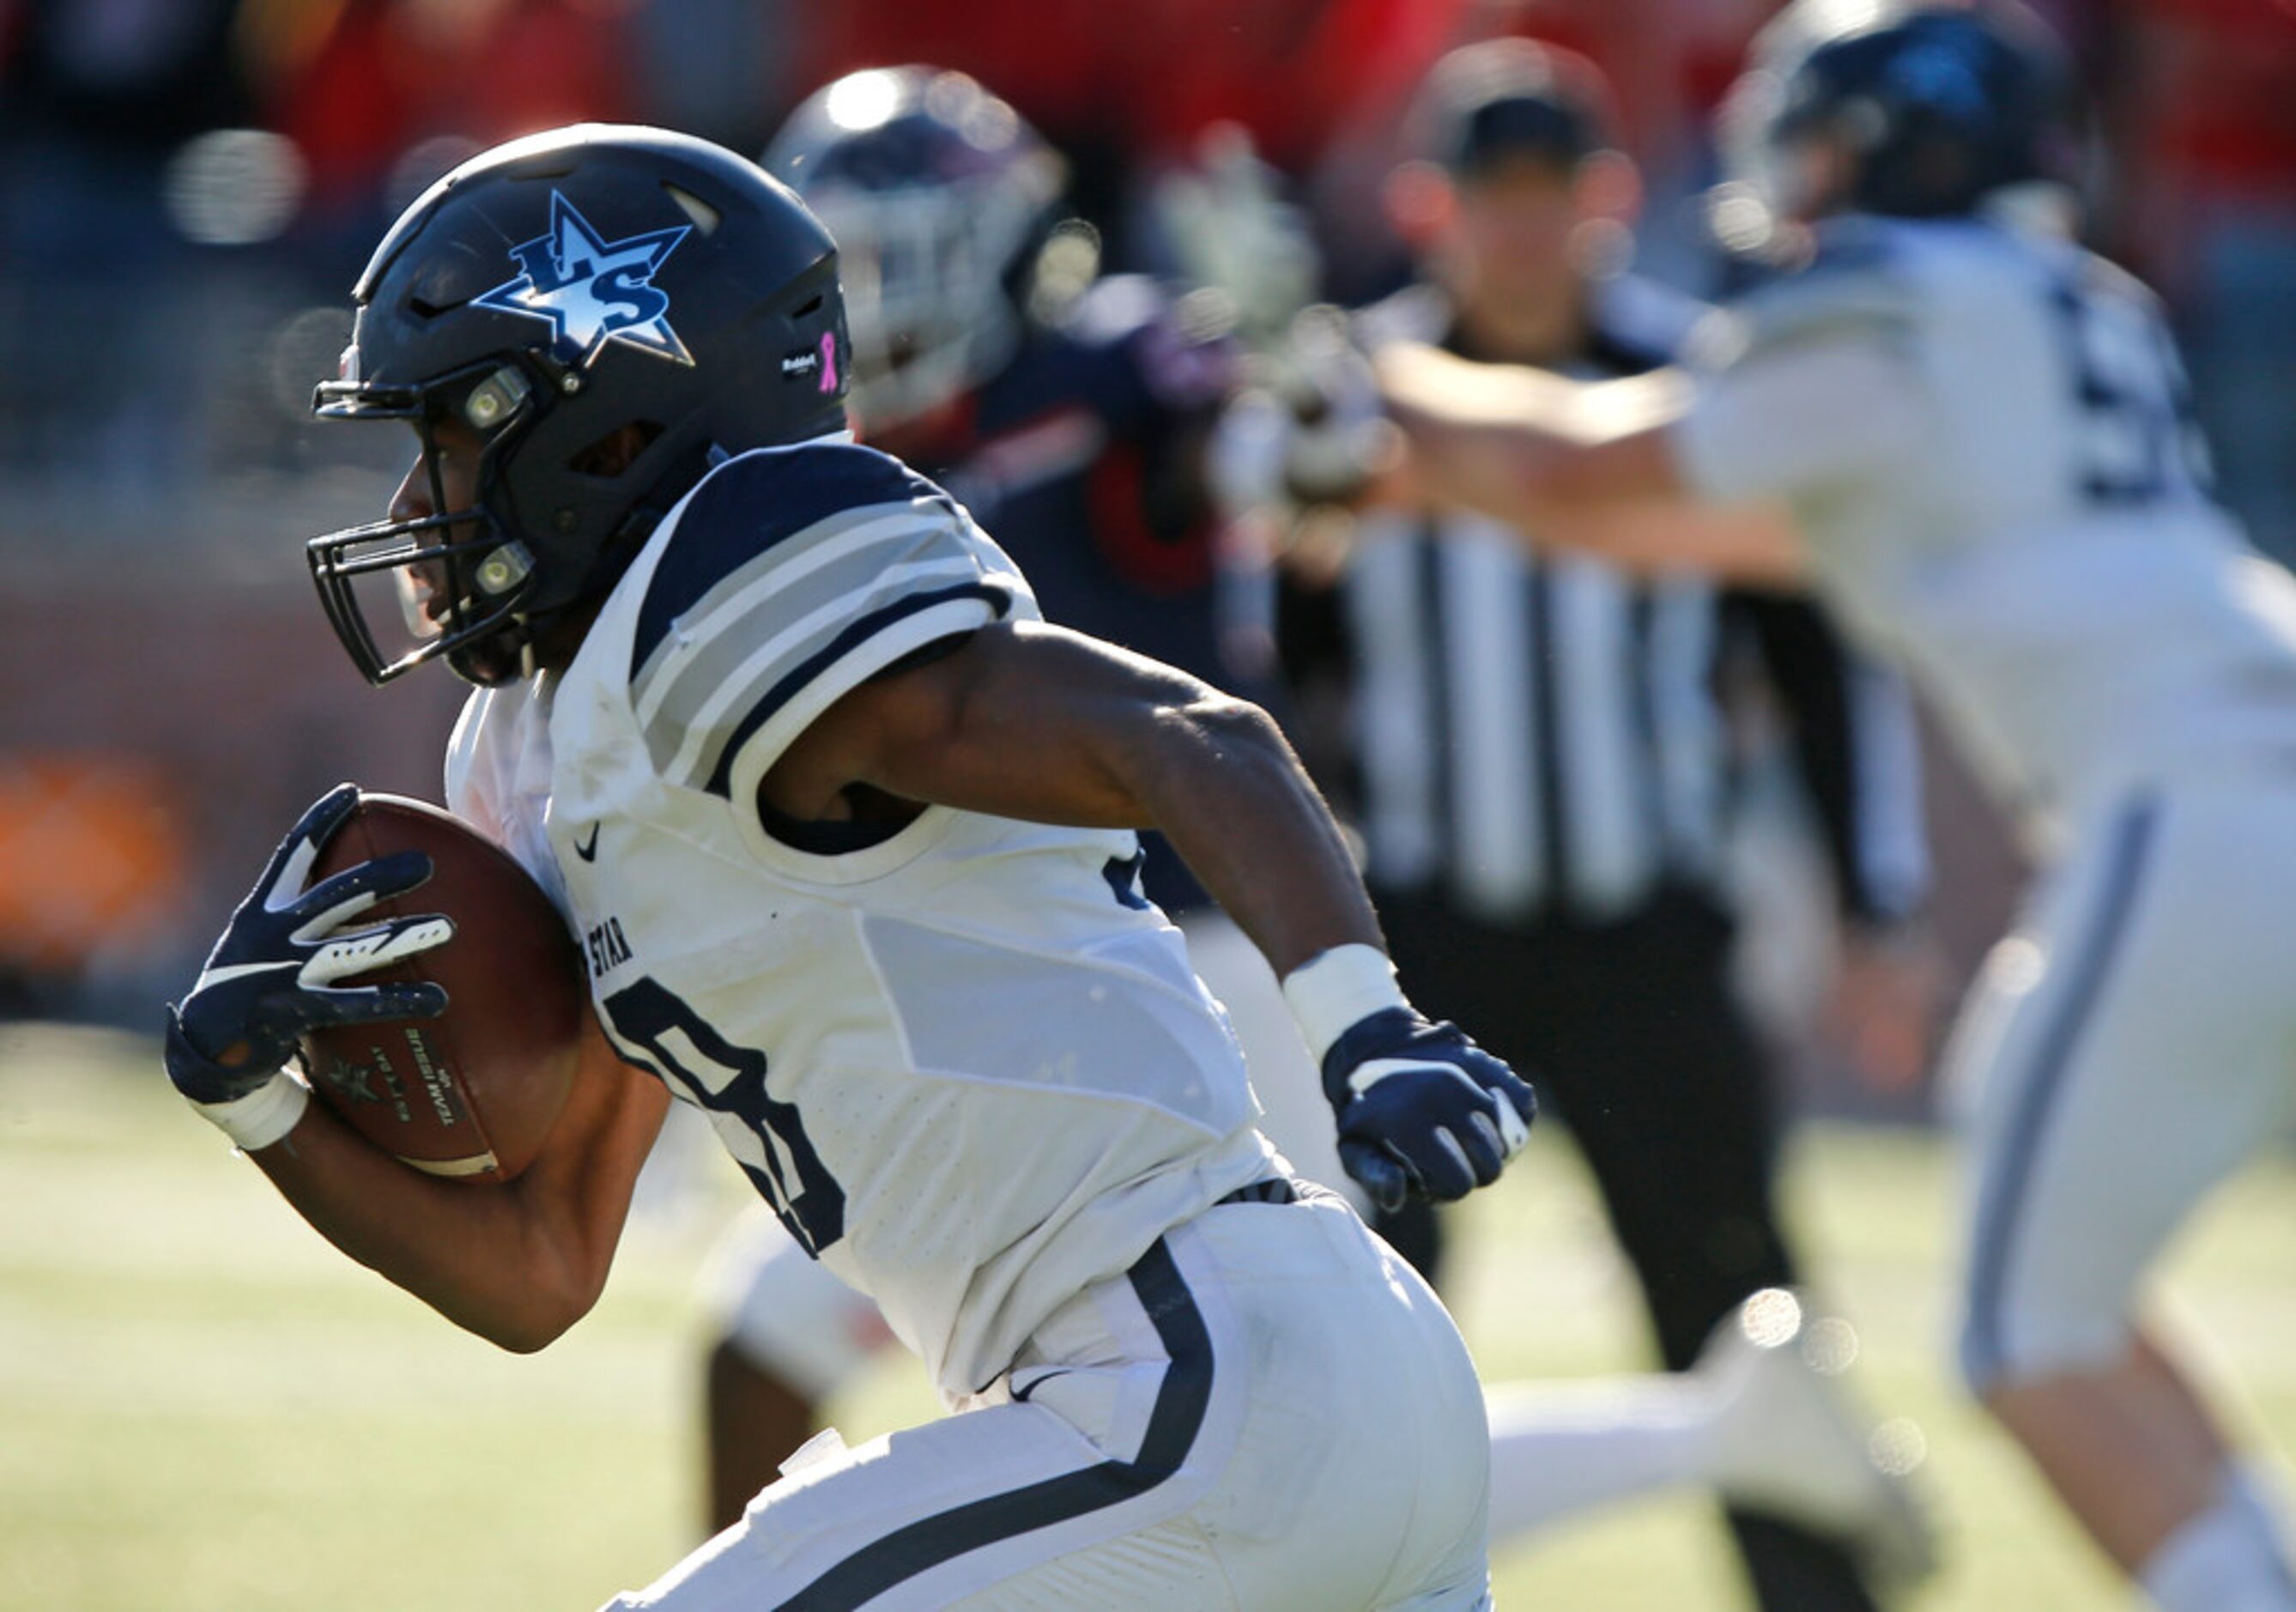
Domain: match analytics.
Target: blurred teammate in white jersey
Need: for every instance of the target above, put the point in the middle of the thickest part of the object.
(1972, 438)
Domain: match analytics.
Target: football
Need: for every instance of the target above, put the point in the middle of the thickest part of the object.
(468, 1096)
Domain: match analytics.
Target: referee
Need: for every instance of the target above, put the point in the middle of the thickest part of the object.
(1537, 753)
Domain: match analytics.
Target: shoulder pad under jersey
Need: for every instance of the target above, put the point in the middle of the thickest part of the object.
(790, 575)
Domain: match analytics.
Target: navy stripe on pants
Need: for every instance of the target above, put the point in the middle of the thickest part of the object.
(2004, 1192)
(1172, 1428)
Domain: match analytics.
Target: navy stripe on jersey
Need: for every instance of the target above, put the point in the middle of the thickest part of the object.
(1173, 1424)
(755, 501)
(1984, 1349)
(997, 597)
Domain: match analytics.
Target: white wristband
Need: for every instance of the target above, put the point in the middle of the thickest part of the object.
(263, 1115)
(1335, 990)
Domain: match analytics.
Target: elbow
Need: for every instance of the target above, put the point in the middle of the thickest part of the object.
(529, 1328)
(1241, 740)
(524, 1339)
(554, 1305)
(1233, 729)
(1193, 745)
(538, 1314)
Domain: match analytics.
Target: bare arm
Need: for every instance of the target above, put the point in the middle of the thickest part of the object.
(1036, 723)
(1031, 721)
(1574, 463)
(516, 1263)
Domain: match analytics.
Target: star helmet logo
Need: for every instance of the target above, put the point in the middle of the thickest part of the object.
(593, 290)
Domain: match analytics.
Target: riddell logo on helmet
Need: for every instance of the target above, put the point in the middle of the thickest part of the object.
(592, 291)
(822, 361)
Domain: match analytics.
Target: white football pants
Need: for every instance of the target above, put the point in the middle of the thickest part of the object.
(2123, 1051)
(1269, 1410)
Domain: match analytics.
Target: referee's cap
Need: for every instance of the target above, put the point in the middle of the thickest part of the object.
(1504, 98)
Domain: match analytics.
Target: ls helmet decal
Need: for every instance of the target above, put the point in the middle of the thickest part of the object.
(591, 291)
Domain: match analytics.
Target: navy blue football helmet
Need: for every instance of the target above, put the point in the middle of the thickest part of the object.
(1936, 106)
(938, 193)
(609, 308)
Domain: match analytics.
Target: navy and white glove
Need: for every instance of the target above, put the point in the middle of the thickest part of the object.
(271, 977)
(1422, 1110)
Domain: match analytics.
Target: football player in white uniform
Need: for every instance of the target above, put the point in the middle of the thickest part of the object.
(1978, 432)
(1075, 439)
(769, 714)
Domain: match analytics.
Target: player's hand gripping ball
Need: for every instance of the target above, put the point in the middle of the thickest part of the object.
(444, 1026)
(470, 1093)
(275, 971)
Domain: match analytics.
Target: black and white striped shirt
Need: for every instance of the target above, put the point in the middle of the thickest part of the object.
(1541, 735)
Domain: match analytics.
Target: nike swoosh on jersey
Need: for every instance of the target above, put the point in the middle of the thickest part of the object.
(588, 851)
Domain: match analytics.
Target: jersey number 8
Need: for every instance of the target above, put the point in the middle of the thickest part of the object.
(658, 1030)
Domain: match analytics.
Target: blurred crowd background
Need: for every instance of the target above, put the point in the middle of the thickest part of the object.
(189, 187)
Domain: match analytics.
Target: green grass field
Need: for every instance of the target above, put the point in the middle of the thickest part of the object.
(202, 1406)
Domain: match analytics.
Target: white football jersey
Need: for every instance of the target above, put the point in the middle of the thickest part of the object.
(965, 1062)
(1984, 436)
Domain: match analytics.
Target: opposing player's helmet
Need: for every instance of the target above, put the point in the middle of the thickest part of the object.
(1937, 105)
(608, 308)
(935, 190)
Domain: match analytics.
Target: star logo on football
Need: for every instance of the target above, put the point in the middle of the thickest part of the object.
(593, 290)
(355, 1083)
